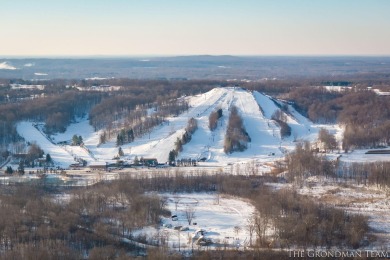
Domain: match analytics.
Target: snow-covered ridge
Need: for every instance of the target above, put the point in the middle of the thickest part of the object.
(5, 66)
(24, 86)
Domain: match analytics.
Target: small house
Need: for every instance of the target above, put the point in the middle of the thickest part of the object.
(75, 166)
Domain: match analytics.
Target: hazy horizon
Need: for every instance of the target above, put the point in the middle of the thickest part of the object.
(124, 56)
(187, 28)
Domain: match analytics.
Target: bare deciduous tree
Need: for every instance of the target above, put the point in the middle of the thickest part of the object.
(176, 200)
(250, 226)
(327, 139)
(190, 214)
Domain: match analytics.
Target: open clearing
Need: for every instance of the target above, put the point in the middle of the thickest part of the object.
(222, 219)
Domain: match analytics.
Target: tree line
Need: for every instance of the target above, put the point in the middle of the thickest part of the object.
(375, 173)
(138, 122)
(192, 126)
(214, 117)
(236, 137)
(305, 161)
(281, 119)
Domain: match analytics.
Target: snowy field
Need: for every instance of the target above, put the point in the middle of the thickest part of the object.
(221, 219)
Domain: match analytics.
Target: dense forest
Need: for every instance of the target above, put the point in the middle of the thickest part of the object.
(191, 127)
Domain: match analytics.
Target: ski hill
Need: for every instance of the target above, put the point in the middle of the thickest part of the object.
(255, 108)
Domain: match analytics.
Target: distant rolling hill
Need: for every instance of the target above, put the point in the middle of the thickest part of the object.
(190, 67)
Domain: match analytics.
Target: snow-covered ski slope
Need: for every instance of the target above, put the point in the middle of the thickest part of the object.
(300, 125)
(160, 141)
(32, 134)
(266, 143)
(209, 144)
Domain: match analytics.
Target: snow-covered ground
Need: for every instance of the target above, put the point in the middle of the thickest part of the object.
(222, 218)
(80, 128)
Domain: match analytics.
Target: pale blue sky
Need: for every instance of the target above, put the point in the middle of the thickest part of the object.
(184, 27)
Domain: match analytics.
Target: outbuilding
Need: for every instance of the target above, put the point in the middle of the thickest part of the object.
(98, 166)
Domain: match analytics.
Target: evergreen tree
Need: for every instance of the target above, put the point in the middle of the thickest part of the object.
(186, 138)
(123, 136)
(178, 145)
(21, 167)
(120, 152)
(119, 140)
(103, 138)
(9, 170)
(48, 158)
(172, 156)
(77, 140)
(136, 161)
(219, 112)
(130, 135)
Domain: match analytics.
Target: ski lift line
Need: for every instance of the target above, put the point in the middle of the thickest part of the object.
(216, 102)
